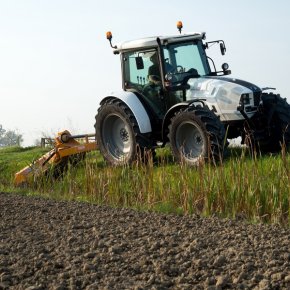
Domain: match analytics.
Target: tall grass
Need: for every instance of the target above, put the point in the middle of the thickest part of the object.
(255, 188)
(245, 185)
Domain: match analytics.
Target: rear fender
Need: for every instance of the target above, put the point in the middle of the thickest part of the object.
(132, 101)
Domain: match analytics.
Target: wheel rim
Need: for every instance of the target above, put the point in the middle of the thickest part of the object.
(190, 141)
(116, 136)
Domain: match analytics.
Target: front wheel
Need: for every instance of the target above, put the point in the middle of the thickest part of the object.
(274, 114)
(197, 135)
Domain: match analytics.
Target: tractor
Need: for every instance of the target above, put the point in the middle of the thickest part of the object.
(173, 93)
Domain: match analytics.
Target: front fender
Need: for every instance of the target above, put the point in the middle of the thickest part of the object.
(169, 114)
(132, 101)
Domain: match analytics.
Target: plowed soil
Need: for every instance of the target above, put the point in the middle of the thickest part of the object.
(46, 244)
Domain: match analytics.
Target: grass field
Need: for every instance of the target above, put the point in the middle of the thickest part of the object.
(252, 187)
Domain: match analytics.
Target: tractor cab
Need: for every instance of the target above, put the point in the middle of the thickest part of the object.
(158, 68)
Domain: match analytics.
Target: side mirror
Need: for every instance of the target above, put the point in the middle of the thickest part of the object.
(139, 62)
(223, 48)
(222, 45)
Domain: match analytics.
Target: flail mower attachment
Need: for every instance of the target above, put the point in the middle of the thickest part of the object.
(65, 146)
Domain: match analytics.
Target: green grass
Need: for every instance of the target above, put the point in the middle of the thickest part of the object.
(12, 159)
(253, 187)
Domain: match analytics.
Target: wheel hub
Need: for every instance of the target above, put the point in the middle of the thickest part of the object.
(198, 139)
(189, 140)
(124, 135)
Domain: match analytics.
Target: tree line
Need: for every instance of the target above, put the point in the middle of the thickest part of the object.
(9, 138)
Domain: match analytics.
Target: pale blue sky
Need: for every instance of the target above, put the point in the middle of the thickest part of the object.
(56, 64)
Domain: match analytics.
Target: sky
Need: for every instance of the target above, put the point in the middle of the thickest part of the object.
(56, 63)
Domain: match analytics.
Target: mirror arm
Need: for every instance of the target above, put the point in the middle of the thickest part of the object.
(220, 41)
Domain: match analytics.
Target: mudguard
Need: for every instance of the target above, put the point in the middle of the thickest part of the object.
(132, 101)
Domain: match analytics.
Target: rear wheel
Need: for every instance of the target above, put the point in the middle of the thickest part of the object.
(197, 135)
(118, 135)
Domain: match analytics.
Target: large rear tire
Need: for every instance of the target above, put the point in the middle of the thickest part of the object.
(118, 134)
(197, 135)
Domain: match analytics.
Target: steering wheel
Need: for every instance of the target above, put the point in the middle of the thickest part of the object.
(172, 73)
(176, 70)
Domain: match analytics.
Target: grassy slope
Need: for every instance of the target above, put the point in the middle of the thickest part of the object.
(255, 188)
(13, 159)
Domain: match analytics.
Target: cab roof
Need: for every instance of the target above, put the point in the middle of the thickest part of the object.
(148, 42)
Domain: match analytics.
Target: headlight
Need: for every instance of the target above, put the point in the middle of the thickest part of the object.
(245, 99)
(225, 66)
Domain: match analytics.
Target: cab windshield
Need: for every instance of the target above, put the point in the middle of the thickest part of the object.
(184, 60)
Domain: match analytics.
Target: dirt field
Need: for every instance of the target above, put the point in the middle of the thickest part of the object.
(46, 244)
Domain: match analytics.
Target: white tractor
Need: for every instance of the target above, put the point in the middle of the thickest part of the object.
(173, 93)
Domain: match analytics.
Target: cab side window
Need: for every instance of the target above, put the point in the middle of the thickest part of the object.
(136, 66)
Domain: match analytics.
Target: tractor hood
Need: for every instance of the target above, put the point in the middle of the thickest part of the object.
(226, 96)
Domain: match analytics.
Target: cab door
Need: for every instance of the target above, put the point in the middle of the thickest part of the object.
(141, 74)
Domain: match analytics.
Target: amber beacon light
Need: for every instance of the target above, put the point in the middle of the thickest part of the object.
(109, 37)
(179, 26)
